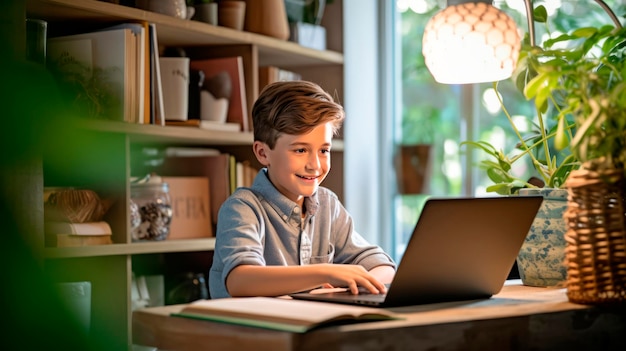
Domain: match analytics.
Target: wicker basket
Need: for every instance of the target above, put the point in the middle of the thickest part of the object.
(596, 238)
(74, 205)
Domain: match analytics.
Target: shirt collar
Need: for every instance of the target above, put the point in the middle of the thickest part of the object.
(279, 201)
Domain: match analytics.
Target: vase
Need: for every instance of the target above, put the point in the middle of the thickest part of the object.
(412, 164)
(307, 11)
(541, 260)
(267, 17)
(596, 237)
(206, 13)
(174, 8)
(231, 14)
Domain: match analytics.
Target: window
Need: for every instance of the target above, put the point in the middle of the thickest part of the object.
(443, 116)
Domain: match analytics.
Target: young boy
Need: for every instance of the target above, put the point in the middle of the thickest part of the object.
(287, 234)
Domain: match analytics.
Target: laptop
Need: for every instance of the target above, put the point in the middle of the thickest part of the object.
(460, 249)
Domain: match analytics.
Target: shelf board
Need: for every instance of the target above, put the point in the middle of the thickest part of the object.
(168, 134)
(177, 135)
(174, 31)
(132, 249)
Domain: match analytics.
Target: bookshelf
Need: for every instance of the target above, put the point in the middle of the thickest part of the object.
(132, 249)
(100, 155)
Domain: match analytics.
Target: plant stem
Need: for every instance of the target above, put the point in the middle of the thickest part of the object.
(535, 162)
(544, 140)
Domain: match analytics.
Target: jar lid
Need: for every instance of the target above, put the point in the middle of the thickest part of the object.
(150, 180)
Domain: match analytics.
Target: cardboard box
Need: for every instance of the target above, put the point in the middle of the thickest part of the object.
(190, 206)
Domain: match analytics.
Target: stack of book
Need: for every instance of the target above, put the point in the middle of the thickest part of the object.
(68, 234)
(74, 217)
(112, 71)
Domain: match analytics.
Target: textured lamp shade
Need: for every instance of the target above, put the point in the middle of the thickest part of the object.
(471, 43)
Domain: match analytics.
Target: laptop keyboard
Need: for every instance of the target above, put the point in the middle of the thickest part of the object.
(365, 291)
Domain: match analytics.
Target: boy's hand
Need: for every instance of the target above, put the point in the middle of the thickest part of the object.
(351, 277)
(250, 280)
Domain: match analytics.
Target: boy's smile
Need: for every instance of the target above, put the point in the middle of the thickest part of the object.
(298, 163)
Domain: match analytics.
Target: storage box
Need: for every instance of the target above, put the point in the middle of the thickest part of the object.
(308, 35)
(190, 206)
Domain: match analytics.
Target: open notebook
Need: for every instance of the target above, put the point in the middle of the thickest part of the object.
(460, 249)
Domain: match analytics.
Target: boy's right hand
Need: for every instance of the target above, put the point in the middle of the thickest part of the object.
(350, 276)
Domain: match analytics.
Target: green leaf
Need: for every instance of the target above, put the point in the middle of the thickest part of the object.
(518, 184)
(563, 37)
(560, 139)
(541, 88)
(541, 14)
(585, 32)
(498, 175)
(501, 189)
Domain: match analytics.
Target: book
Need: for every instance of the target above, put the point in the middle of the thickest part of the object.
(245, 174)
(105, 59)
(239, 172)
(69, 240)
(173, 151)
(208, 125)
(237, 105)
(145, 93)
(140, 95)
(271, 74)
(281, 314)
(250, 58)
(71, 234)
(85, 228)
(157, 111)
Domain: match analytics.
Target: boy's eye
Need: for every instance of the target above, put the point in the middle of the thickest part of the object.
(300, 151)
(325, 151)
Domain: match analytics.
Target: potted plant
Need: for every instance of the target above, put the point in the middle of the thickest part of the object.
(204, 11)
(583, 73)
(305, 18)
(577, 82)
(413, 157)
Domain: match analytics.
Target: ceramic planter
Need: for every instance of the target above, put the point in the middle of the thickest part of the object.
(541, 260)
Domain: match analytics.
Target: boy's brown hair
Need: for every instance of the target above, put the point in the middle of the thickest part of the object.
(293, 107)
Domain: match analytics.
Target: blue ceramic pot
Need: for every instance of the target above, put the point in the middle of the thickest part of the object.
(541, 260)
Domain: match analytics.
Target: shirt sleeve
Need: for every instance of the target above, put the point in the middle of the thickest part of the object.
(239, 240)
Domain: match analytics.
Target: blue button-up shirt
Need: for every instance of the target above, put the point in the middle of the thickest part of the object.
(260, 226)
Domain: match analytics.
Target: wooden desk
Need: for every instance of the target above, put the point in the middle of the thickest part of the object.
(519, 318)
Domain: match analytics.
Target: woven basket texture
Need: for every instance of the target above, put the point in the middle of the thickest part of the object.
(74, 205)
(596, 237)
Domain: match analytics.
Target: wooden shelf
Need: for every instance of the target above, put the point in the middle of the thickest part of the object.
(107, 154)
(179, 32)
(132, 249)
(168, 134)
(177, 135)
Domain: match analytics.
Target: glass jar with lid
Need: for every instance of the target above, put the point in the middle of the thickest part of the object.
(150, 210)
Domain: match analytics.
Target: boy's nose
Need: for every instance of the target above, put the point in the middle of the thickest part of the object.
(314, 162)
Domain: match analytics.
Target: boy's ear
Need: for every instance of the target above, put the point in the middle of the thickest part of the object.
(261, 152)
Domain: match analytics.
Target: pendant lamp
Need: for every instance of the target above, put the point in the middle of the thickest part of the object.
(471, 42)
(474, 42)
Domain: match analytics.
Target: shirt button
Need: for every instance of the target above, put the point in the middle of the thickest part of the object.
(296, 210)
(285, 218)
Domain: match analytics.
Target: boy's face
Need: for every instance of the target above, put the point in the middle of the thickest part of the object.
(298, 163)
